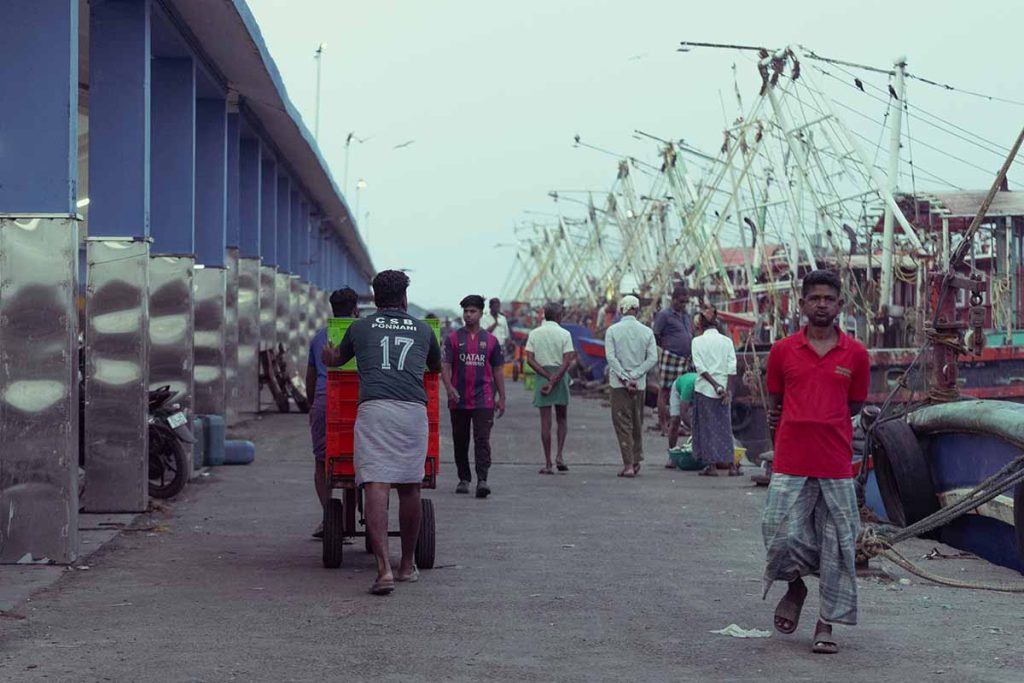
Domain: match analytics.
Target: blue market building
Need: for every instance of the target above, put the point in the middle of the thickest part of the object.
(165, 218)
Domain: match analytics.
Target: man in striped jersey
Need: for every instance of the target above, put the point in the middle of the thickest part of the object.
(472, 362)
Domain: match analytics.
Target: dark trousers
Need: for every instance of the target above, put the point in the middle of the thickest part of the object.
(481, 420)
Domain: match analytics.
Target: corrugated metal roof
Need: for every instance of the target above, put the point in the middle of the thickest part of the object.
(966, 204)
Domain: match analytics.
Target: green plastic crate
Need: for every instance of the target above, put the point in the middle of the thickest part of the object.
(337, 327)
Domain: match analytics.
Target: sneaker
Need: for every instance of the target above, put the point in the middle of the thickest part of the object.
(463, 487)
(482, 489)
(319, 531)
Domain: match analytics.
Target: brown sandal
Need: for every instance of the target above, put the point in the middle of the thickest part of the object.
(824, 644)
(789, 610)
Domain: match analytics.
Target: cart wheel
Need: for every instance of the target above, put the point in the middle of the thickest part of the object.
(333, 536)
(425, 542)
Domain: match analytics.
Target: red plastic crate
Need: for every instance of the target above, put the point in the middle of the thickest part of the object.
(342, 410)
(340, 438)
(342, 395)
(341, 466)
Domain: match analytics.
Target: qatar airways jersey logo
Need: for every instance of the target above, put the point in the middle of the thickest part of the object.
(473, 358)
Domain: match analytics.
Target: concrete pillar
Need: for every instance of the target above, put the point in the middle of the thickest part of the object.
(172, 227)
(38, 271)
(250, 214)
(268, 250)
(211, 243)
(117, 282)
(282, 282)
(297, 300)
(234, 229)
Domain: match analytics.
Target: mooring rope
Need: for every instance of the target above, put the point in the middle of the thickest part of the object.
(871, 544)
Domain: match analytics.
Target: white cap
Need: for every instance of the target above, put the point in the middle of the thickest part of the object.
(629, 303)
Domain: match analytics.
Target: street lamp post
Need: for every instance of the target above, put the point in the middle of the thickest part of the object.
(319, 63)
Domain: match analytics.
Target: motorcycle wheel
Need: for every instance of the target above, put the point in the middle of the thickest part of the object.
(168, 467)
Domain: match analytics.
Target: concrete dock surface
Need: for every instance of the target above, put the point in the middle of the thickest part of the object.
(574, 577)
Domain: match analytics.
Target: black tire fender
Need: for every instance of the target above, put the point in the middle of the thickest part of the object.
(333, 533)
(162, 437)
(904, 478)
(425, 542)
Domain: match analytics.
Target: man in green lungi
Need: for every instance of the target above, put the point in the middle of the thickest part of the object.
(549, 352)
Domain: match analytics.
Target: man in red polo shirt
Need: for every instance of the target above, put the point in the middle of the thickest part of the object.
(817, 378)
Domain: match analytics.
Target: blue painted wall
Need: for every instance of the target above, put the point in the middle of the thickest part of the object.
(119, 111)
(211, 181)
(173, 156)
(268, 211)
(39, 119)
(298, 227)
(234, 235)
(249, 199)
(284, 223)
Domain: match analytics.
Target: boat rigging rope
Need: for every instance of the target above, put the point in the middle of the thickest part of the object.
(871, 544)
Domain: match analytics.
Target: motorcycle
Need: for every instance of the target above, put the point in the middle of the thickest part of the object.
(168, 430)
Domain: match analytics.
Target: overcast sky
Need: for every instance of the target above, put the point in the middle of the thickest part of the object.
(492, 94)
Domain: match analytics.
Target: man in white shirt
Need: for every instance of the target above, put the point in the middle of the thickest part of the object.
(549, 351)
(631, 352)
(714, 360)
(495, 322)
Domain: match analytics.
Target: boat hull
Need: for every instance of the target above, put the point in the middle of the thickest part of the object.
(964, 444)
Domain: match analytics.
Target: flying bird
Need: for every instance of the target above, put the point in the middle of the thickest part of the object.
(892, 93)
(404, 144)
(860, 84)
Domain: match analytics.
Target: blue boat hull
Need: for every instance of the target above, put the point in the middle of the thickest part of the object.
(958, 461)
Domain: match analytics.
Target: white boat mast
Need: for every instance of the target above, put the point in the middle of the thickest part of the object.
(892, 182)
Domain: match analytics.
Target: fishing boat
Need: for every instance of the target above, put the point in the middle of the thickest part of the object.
(793, 188)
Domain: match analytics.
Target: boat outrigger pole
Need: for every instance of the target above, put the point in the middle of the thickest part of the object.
(945, 333)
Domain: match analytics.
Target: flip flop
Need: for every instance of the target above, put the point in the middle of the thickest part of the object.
(545, 470)
(562, 467)
(383, 587)
(789, 610)
(412, 578)
(636, 469)
(824, 643)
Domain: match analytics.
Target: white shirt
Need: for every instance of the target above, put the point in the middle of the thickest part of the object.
(500, 332)
(630, 349)
(549, 343)
(714, 354)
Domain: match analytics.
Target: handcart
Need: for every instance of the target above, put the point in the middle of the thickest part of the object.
(343, 513)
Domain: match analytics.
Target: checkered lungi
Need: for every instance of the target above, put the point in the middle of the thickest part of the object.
(671, 366)
(810, 527)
